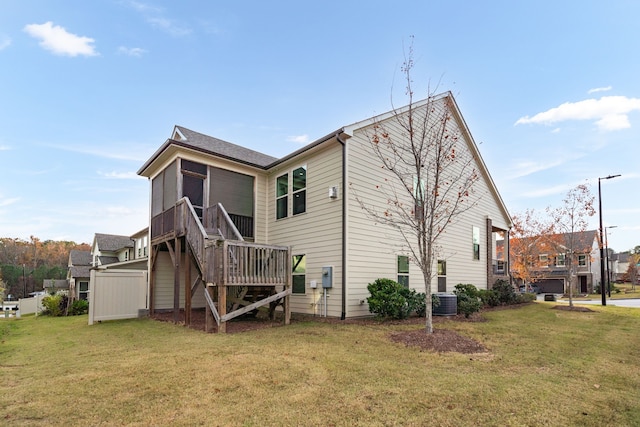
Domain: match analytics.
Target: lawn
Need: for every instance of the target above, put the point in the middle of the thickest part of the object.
(619, 291)
(544, 367)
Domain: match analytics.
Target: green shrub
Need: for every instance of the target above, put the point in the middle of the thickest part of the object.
(467, 299)
(421, 306)
(53, 305)
(389, 299)
(79, 307)
(524, 298)
(505, 292)
(489, 297)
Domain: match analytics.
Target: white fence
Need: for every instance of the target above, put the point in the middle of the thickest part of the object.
(117, 294)
(30, 305)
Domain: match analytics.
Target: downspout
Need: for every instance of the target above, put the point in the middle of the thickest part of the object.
(343, 315)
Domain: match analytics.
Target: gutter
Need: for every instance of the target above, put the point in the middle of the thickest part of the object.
(343, 315)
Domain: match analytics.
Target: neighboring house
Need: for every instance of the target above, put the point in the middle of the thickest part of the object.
(258, 218)
(54, 285)
(111, 248)
(550, 268)
(79, 266)
(618, 265)
(108, 252)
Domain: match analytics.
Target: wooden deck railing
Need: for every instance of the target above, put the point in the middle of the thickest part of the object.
(217, 219)
(253, 264)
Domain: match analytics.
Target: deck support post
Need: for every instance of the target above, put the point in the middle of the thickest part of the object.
(187, 285)
(176, 280)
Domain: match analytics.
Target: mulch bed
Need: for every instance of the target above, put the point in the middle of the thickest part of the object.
(441, 341)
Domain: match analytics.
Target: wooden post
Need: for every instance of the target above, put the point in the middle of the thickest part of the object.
(209, 320)
(152, 280)
(222, 286)
(176, 280)
(187, 285)
(286, 306)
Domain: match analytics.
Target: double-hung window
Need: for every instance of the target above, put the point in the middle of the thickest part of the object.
(476, 242)
(282, 196)
(403, 270)
(291, 185)
(560, 260)
(582, 260)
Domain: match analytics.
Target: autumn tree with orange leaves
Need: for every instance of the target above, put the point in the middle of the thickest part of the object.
(527, 237)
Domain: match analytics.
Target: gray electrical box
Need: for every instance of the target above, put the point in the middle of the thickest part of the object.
(327, 277)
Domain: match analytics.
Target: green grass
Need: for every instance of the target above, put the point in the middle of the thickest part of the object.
(626, 291)
(544, 367)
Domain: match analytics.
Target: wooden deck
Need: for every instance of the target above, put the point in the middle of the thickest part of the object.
(237, 276)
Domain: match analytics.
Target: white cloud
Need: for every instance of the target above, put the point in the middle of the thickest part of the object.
(119, 175)
(299, 139)
(599, 89)
(131, 51)
(143, 7)
(4, 148)
(156, 17)
(57, 40)
(7, 202)
(525, 168)
(169, 26)
(4, 42)
(609, 112)
(138, 154)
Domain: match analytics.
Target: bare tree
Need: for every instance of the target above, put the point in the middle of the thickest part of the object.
(432, 174)
(569, 222)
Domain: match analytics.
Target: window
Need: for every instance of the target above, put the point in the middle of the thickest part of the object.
(403, 270)
(582, 260)
(544, 260)
(300, 190)
(282, 196)
(442, 275)
(299, 272)
(298, 193)
(442, 267)
(476, 243)
(560, 260)
(83, 291)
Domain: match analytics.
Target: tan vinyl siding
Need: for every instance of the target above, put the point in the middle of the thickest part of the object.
(164, 280)
(373, 248)
(317, 233)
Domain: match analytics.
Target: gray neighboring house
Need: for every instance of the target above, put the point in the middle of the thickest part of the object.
(78, 274)
(111, 248)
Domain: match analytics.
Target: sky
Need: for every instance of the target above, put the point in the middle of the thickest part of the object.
(550, 91)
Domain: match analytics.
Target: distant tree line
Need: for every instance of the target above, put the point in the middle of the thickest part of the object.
(24, 265)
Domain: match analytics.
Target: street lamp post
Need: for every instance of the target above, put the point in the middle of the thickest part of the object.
(606, 248)
(601, 243)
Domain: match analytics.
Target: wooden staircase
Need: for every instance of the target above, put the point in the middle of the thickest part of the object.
(238, 276)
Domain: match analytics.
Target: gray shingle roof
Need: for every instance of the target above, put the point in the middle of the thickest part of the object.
(81, 271)
(104, 260)
(77, 257)
(224, 148)
(113, 242)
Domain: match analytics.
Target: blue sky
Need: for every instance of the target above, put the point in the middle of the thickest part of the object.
(549, 89)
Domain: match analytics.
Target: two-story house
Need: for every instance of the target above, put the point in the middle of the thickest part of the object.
(227, 222)
(549, 264)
